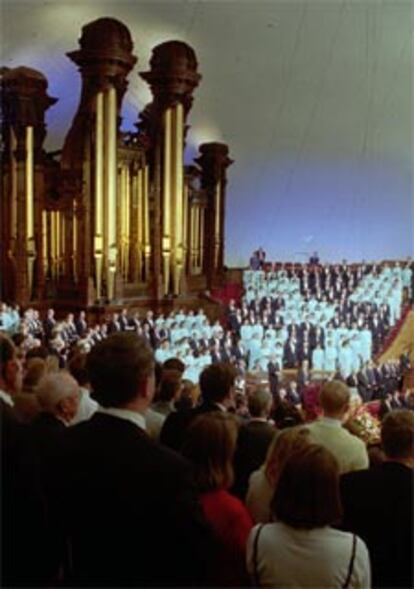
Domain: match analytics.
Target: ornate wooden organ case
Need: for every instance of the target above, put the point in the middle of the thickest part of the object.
(113, 217)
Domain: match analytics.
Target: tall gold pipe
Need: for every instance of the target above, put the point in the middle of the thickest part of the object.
(179, 194)
(13, 146)
(62, 234)
(99, 192)
(45, 240)
(185, 222)
(75, 242)
(29, 184)
(110, 187)
(137, 188)
(192, 238)
(30, 239)
(197, 237)
(217, 223)
(53, 217)
(146, 220)
(127, 220)
(166, 225)
(120, 217)
(58, 242)
(201, 251)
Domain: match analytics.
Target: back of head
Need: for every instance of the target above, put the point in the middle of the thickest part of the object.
(170, 385)
(260, 402)
(284, 444)
(117, 366)
(210, 443)
(174, 364)
(307, 493)
(39, 352)
(334, 398)
(77, 368)
(54, 389)
(216, 382)
(35, 370)
(397, 434)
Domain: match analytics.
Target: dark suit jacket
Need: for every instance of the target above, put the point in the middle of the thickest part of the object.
(378, 507)
(252, 444)
(23, 509)
(129, 511)
(175, 426)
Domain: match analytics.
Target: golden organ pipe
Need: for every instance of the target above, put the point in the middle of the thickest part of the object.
(127, 219)
(99, 165)
(167, 176)
(139, 212)
(111, 186)
(217, 223)
(75, 242)
(202, 212)
(29, 184)
(146, 201)
(13, 146)
(44, 240)
(179, 187)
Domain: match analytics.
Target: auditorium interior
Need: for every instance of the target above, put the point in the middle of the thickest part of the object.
(227, 187)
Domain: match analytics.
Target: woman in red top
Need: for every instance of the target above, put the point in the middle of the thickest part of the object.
(210, 445)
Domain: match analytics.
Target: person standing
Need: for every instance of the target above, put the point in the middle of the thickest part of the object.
(378, 504)
(127, 499)
(350, 451)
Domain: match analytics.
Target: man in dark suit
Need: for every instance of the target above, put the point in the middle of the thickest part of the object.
(23, 510)
(49, 323)
(363, 384)
(81, 324)
(253, 440)
(378, 504)
(130, 515)
(217, 394)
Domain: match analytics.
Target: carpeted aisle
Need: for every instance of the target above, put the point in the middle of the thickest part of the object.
(403, 342)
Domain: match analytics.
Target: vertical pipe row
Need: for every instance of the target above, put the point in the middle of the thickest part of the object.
(99, 193)
(110, 163)
(30, 241)
(166, 223)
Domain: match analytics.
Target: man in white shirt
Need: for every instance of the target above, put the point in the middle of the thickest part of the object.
(350, 451)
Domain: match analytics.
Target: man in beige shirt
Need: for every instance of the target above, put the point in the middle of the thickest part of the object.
(350, 451)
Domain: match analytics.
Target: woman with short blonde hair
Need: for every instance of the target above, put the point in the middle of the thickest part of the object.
(262, 482)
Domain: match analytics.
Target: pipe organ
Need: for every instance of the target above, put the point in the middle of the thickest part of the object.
(113, 216)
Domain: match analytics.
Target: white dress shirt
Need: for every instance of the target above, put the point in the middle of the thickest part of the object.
(133, 416)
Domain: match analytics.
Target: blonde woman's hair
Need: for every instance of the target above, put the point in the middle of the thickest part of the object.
(284, 444)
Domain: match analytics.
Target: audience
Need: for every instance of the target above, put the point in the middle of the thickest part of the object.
(91, 495)
(378, 504)
(301, 549)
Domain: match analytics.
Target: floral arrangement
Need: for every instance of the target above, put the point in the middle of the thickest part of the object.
(363, 424)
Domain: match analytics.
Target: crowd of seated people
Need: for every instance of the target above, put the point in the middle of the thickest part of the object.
(92, 497)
